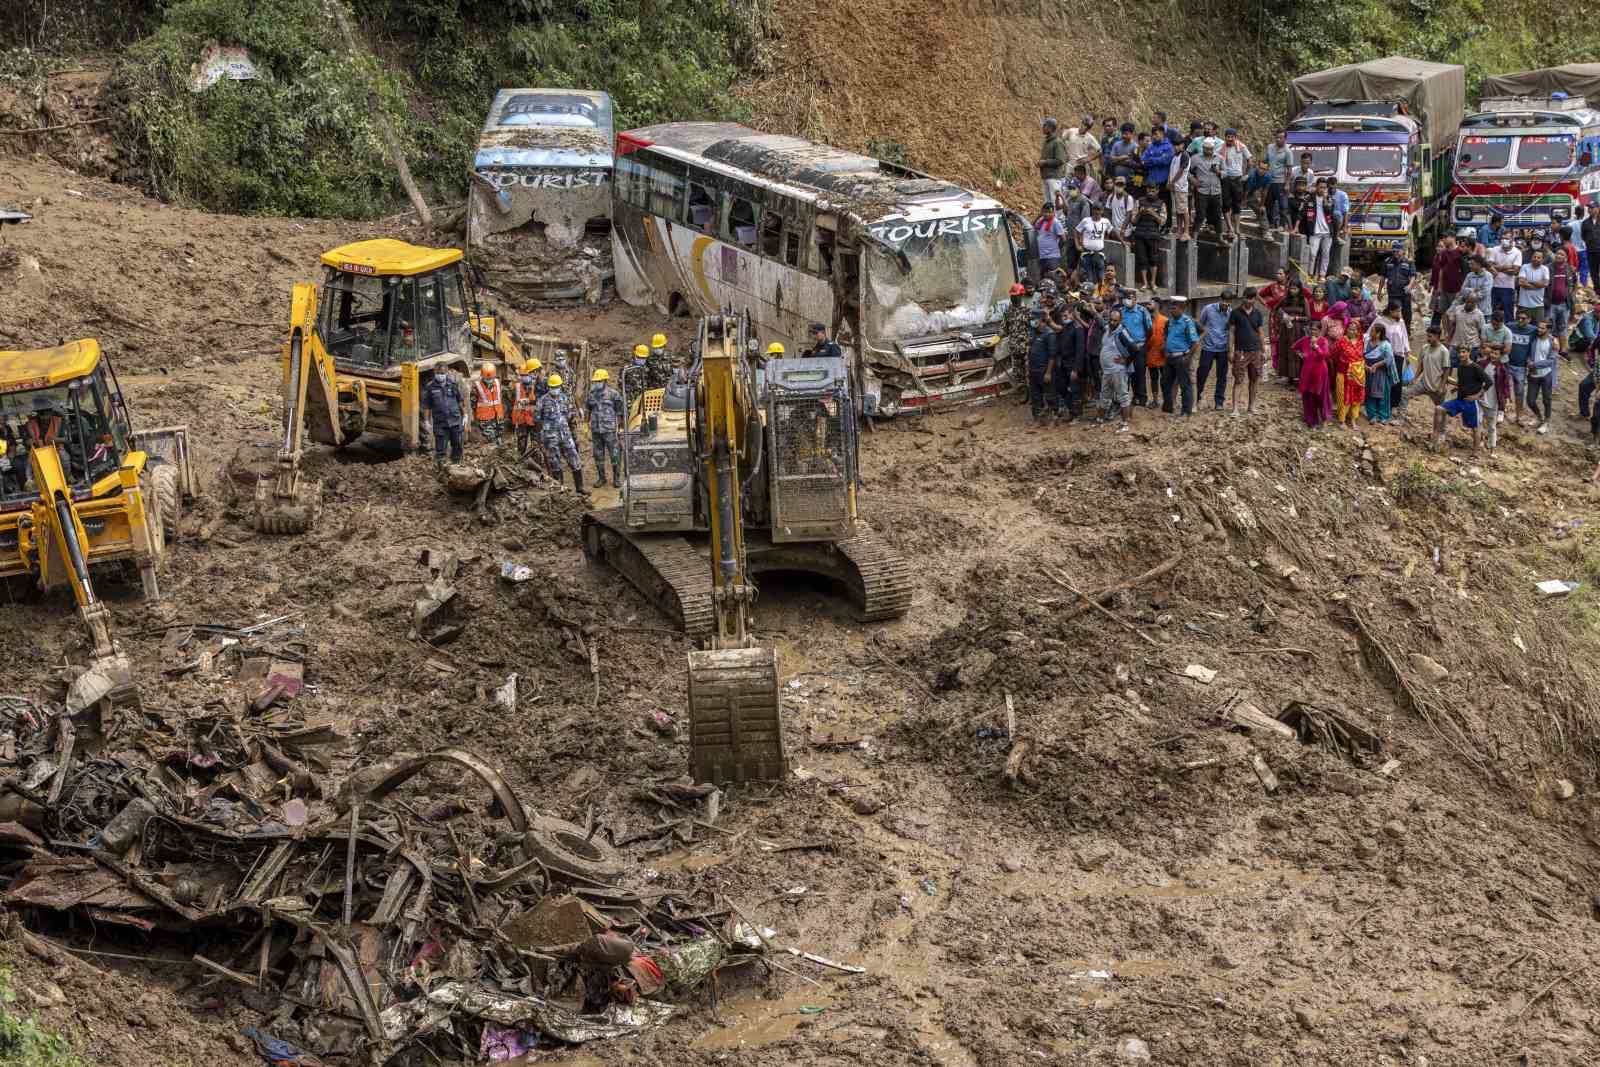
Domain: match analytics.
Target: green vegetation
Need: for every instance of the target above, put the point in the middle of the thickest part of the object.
(302, 140)
(23, 1043)
(1418, 487)
(1485, 36)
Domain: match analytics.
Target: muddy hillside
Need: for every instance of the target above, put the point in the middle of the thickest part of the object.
(1219, 742)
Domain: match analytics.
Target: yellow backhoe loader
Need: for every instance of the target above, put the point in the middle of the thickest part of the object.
(763, 459)
(359, 346)
(80, 488)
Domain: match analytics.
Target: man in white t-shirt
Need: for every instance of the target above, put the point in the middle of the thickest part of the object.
(1532, 282)
(1083, 146)
(1505, 260)
(1234, 155)
(1119, 207)
(1091, 238)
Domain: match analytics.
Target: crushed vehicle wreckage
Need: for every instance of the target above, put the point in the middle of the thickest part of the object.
(370, 910)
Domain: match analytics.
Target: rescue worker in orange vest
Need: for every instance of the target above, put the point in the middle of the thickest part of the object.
(488, 407)
(523, 397)
(42, 431)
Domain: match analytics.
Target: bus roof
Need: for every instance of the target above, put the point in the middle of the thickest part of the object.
(546, 128)
(873, 187)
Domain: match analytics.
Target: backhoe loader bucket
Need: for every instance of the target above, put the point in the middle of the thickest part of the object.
(287, 503)
(735, 720)
(170, 445)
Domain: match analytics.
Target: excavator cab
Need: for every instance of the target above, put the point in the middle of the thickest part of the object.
(812, 446)
(360, 345)
(81, 488)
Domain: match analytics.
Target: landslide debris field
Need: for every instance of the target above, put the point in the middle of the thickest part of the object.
(1368, 838)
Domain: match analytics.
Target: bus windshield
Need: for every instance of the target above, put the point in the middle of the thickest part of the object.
(1544, 153)
(937, 275)
(1374, 161)
(1484, 153)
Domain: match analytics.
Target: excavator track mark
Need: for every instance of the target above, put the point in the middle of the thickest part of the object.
(664, 567)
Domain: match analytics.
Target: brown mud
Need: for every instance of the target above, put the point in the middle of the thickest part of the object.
(1137, 887)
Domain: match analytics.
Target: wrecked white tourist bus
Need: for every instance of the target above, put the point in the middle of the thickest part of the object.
(911, 274)
(539, 212)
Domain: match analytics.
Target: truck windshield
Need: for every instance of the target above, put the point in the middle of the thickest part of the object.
(1484, 153)
(1374, 161)
(937, 275)
(1324, 157)
(1544, 153)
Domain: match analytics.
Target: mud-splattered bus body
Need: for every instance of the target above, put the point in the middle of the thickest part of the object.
(539, 215)
(911, 274)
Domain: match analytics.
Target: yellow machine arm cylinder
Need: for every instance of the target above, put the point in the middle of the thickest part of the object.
(66, 533)
(723, 407)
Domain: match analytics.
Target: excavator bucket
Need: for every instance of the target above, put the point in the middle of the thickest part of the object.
(287, 504)
(735, 719)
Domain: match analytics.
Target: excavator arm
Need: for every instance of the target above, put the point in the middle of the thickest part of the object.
(63, 544)
(286, 501)
(735, 721)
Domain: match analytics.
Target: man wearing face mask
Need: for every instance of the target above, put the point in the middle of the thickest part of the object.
(1137, 324)
(1505, 261)
(443, 403)
(555, 432)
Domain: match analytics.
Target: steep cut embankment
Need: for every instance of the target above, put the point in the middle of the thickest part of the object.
(962, 88)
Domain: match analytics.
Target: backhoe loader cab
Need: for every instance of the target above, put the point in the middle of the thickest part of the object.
(386, 304)
(79, 486)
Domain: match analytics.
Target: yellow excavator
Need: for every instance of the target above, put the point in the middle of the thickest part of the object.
(80, 489)
(763, 460)
(385, 315)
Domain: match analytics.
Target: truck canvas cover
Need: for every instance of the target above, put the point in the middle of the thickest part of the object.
(539, 211)
(1574, 79)
(1434, 93)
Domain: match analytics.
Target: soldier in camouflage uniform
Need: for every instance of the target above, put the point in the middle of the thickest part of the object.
(637, 374)
(605, 417)
(555, 432)
(1014, 328)
(658, 368)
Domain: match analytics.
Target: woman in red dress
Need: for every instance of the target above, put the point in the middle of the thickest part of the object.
(1315, 397)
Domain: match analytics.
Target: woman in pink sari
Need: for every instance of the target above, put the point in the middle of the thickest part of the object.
(1316, 400)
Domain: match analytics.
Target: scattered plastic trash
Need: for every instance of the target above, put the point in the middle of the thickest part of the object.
(1091, 976)
(1203, 675)
(811, 1009)
(1556, 587)
(505, 1043)
(279, 1052)
(928, 886)
(516, 572)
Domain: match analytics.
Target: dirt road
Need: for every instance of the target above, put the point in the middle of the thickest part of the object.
(1137, 893)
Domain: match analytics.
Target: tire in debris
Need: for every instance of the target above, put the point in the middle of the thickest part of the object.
(169, 498)
(560, 846)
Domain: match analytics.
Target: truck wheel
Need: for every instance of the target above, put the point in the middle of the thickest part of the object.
(168, 499)
(560, 846)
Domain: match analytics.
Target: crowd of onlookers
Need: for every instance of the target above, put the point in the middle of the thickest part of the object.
(1504, 311)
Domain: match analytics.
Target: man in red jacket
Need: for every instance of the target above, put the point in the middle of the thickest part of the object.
(1449, 269)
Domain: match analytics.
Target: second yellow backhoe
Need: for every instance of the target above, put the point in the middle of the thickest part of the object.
(385, 315)
(81, 489)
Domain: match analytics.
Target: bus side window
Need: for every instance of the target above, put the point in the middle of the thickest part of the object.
(824, 242)
(791, 248)
(771, 234)
(666, 191)
(742, 221)
(702, 208)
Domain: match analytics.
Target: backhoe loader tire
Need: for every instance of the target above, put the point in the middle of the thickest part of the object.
(560, 846)
(168, 499)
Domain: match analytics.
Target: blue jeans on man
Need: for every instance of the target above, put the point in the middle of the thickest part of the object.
(1207, 358)
(1504, 300)
(446, 434)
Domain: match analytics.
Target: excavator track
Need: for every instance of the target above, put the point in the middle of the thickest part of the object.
(883, 584)
(664, 567)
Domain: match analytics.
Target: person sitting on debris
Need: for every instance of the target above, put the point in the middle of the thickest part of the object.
(525, 394)
(605, 416)
(555, 433)
(443, 403)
